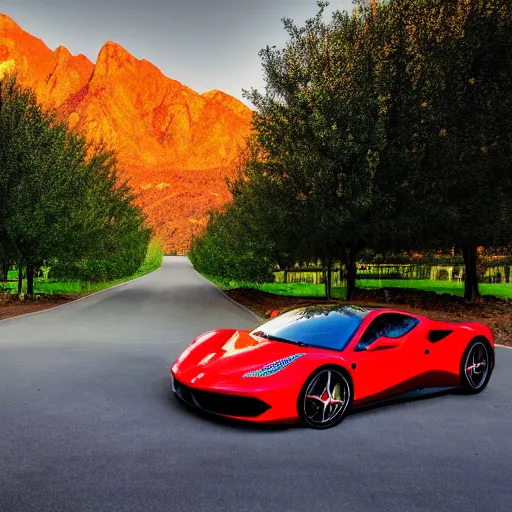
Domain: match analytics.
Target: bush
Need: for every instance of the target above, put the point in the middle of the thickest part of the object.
(124, 262)
(154, 255)
(227, 252)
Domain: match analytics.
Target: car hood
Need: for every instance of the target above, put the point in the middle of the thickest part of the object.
(229, 352)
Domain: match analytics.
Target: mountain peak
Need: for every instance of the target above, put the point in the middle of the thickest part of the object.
(114, 50)
(212, 95)
(62, 52)
(7, 23)
(230, 102)
(111, 58)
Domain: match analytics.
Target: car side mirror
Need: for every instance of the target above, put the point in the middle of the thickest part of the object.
(274, 313)
(383, 343)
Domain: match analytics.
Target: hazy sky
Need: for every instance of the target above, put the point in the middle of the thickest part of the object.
(205, 44)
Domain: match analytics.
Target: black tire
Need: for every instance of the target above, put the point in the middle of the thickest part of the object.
(476, 365)
(331, 407)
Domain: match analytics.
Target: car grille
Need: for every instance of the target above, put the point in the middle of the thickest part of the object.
(220, 403)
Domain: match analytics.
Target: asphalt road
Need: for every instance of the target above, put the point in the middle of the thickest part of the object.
(88, 423)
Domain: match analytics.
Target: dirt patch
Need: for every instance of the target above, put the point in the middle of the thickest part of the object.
(495, 312)
(11, 305)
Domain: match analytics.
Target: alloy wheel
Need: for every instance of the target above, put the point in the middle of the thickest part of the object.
(326, 398)
(477, 365)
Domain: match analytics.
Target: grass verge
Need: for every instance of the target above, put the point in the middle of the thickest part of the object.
(152, 262)
(318, 290)
(49, 293)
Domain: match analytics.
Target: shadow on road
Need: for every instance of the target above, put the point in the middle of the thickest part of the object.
(412, 396)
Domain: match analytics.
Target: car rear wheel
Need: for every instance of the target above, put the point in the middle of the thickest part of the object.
(476, 366)
(325, 398)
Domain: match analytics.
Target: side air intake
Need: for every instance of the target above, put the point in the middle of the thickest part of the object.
(438, 334)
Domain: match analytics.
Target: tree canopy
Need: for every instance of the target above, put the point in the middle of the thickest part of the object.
(61, 197)
(387, 128)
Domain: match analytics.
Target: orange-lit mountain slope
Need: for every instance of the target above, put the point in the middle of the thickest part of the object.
(176, 145)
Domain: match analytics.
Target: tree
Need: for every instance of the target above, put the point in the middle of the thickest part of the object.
(13, 105)
(226, 250)
(60, 194)
(268, 210)
(389, 129)
(308, 176)
(453, 118)
(320, 127)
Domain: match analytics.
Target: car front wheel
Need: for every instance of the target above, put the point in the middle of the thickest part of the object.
(325, 398)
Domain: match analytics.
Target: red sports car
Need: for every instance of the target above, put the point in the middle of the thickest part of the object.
(314, 363)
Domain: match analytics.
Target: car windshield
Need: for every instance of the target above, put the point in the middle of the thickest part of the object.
(330, 327)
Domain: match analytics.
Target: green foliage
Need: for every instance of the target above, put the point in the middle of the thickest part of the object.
(449, 123)
(55, 285)
(306, 188)
(226, 250)
(61, 197)
(127, 255)
(153, 258)
(387, 129)
(320, 133)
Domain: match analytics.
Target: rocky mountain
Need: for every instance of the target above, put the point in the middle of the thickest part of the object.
(176, 145)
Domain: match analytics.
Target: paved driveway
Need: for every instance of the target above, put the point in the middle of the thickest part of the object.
(88, 423)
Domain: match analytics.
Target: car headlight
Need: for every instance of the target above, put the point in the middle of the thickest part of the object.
(274, 367)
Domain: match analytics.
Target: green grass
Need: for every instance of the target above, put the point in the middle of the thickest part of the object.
(152, 262)
(290, 289)
(318, 290)
(301, 290)
(503, 290)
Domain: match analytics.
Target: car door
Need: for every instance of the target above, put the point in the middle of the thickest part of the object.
(389, 357)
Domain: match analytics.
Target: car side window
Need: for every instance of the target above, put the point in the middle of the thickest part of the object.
(391, 325)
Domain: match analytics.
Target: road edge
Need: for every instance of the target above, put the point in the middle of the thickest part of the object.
(74, 301)
(259, 318)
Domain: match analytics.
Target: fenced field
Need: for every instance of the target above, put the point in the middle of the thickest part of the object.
(368, 274)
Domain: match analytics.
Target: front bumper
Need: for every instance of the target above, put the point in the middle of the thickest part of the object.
(261, 406)
(220, 403)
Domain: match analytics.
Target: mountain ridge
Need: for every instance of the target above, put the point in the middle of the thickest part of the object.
(155, 124)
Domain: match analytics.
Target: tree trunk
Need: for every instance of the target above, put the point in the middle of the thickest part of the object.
(20, 279)
(328, 279)
(351, 271)
(471, 291)
(285, 275)
(351, 278)
(5, 273)
(507, 274)
(30, 280)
